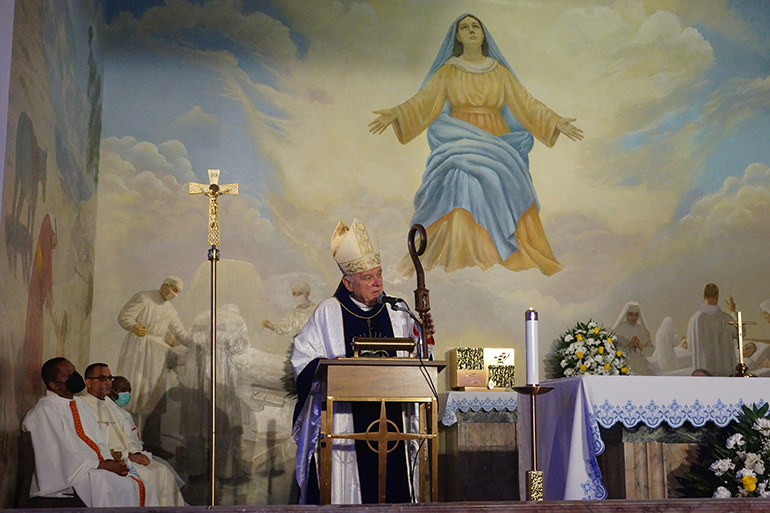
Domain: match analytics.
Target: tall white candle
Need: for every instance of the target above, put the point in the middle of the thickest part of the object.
(533, 361)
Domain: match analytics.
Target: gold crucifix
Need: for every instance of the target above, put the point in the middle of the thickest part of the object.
(742, 368)
(213, 191)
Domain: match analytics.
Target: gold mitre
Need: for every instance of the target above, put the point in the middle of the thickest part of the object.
(355, 248)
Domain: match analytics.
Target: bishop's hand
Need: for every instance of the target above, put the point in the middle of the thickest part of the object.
(429, 327)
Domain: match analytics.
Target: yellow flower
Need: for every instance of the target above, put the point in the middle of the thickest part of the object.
(579, 337)
(609, 340)
(606, 366)
(624, 370)
(579, 355)
(601, 350)
(619, 353)
(749, 483)
(596, 331)
(582, 367)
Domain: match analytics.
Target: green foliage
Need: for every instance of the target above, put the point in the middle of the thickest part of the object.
(586, 349)
(289, 385)
(736, 463)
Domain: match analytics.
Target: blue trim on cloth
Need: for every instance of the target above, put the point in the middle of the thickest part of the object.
(674, 414)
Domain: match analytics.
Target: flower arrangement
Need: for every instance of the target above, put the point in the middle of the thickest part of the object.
(736, 461)
(587, 349)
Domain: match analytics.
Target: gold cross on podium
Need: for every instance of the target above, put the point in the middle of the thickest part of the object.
(742, 369)
(213, 191)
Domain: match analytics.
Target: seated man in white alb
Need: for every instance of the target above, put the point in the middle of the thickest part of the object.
(69, 449)
(121, 396)
(121, 434)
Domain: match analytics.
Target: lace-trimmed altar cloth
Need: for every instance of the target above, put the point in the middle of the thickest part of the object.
(569, 417)
(452, 402)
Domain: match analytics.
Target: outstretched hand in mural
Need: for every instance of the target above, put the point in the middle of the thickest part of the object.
(477, 200)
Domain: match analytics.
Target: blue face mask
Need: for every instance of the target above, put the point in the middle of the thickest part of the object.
(123, 398)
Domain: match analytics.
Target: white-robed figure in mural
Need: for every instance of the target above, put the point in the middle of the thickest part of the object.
(232, 339)
(352, 311)
(298, 316)
(634, 338)
(149, 318)
(477, 200)
(710, 338)
(664, 357)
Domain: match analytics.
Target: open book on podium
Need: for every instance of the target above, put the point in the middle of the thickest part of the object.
(372, 377)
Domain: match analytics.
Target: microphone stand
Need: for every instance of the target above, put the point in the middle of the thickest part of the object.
(417, 323)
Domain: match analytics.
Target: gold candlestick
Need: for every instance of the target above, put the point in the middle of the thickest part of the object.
(535, 478)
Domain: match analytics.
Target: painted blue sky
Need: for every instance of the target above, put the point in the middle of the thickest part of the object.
(673, 96)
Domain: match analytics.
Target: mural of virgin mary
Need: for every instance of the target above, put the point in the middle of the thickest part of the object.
(477, 200)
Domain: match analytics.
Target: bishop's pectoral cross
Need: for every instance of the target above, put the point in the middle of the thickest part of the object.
(213, 191)
(742, 368)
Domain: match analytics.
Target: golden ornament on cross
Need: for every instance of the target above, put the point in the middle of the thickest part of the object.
(213, 190)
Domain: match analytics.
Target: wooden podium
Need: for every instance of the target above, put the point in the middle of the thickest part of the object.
(382, 380)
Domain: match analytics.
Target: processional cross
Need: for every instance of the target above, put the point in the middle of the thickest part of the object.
(742, 369)
(213, 191)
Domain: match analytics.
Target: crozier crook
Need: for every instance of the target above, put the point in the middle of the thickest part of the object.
(421, 294)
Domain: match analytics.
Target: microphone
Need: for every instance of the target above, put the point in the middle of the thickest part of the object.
(392, 301)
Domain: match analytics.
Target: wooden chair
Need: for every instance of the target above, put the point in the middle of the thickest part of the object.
(26, 469)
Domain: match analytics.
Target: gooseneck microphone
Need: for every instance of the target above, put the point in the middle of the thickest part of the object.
(392, 301)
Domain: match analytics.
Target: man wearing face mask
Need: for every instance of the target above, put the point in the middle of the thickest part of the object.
(122, 436)
(70, 451)
(296, 319)
(150, 320)
(121, 395)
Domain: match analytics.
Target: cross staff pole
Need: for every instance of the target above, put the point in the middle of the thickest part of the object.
(213, 190)
(742, 369)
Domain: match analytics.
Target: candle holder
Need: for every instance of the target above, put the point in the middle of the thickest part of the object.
(535, 478)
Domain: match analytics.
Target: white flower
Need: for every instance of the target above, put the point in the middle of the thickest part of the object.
(563, 363)
(721, 493)
(719, 467)
(763, 426)
(568, 337)
(592, 324)
(743, 473)
(754, 462)
(735, 440)
(569, 372)
(762, 490)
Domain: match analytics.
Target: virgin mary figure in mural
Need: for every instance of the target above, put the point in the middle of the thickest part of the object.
(477, 200)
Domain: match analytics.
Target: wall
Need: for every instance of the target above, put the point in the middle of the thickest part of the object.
(6, 36)
(671, 179)
(49, 204)
(668, 191)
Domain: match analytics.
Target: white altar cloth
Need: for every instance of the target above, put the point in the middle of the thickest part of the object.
(568, 420)
(452, 402)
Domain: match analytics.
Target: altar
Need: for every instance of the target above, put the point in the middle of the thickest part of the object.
(478, 458)
(570, 419)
